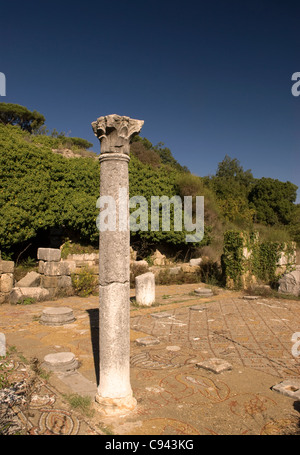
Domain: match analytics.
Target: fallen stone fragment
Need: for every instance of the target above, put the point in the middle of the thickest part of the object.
(18, 295)
(289, 387)
(32, 279)
(215, 365)
(147, 341)
(250, 297)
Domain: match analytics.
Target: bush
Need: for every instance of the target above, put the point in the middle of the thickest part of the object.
(84, 283)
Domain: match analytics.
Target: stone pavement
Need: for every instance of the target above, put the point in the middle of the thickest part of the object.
(174, 395)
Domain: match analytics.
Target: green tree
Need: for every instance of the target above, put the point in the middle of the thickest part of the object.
(14, 114)
(273, 201)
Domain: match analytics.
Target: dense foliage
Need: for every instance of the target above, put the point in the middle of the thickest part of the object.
(41, 190)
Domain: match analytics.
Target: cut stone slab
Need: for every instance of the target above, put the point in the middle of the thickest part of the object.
(78, 383)
(60, 362)
(49, 254)
(32, 279)
(57, 316)
(161, 315)
(203, 292)
(250, 297)
(289, 387)
(147, 341)
(145, 289)
(215, 365)
(20, 294)
(2, 345)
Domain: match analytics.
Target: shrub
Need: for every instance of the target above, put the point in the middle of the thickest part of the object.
(84, 283)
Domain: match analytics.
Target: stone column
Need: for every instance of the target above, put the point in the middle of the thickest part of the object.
(114, 391)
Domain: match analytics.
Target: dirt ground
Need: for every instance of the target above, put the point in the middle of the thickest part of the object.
(174, 395)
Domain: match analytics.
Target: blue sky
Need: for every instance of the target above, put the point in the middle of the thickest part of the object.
(208, 78)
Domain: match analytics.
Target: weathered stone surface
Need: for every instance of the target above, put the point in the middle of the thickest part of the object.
(20, 294)
(41, 267)
(147, 341)
(63, 281)
(90, 257)
(57, 316)
(205, 292)
(195, 262)
(114, 132)
(49, 254)
(2, 345)
(290, 283)
(6, 282)
(145, 289)
(158, 258)
(187, 268)
(289, 387)
(215, 365)
(133, 254)
(114, 391)
(59, 268)
(31, 279)
(7, 266)
(60, 362)
(142, 263)
(174, 270)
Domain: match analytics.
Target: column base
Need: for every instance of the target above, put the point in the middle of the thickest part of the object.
(115, 406)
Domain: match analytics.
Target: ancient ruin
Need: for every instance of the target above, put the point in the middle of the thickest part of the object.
(114, 391)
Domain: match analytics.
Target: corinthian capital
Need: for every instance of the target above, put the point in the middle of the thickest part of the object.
(115, 131)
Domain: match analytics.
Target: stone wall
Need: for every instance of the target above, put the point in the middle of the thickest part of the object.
(55, 272)
(248, 261)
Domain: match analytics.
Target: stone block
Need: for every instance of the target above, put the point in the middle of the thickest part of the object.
(215, 365)
(59, 268)
(61, 281)
(2, 345)
(195, 262)
(41, 267)
(174, 270)
(20, 294)
(32, 279)
(289, 387)
(187, 268)
(49, 254)
(7, 266)
(290, 283)
(145, 289)
(6, 282)
(142, 263)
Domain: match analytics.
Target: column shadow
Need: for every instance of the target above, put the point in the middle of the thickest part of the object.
(94, 329)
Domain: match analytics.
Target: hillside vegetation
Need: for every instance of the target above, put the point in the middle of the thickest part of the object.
(42, 191)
